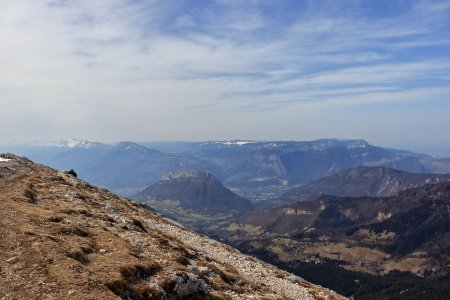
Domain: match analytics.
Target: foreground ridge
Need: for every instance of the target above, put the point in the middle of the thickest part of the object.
(61, 238)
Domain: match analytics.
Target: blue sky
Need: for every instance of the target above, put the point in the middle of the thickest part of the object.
(113, 70)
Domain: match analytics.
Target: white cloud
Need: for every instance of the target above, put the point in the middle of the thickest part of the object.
(114, 69)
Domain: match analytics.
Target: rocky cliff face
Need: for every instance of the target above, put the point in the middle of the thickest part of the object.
(61, 238)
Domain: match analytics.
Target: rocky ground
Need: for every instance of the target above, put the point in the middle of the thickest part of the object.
(61, 238)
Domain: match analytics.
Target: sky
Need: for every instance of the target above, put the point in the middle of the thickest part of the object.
(112, 70)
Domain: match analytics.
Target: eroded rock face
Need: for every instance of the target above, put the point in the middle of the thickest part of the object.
(60, 237)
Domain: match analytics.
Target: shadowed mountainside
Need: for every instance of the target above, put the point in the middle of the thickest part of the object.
(413, 224)
(362, 181)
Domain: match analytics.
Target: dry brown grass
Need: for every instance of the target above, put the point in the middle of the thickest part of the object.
(125, 290)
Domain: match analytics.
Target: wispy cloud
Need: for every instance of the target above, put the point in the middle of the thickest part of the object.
(117, 69)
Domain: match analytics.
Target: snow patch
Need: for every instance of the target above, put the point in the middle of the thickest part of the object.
(238, 143)
(260, 179)
(4, 159)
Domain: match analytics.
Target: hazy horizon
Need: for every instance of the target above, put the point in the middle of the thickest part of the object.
(443, 152)
(222, 70)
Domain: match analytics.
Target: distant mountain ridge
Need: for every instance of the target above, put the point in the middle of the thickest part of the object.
(362, 181)
(199, 191)
(128, 167)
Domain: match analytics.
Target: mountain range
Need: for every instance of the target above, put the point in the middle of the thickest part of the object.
(256, 168)
(292, 162)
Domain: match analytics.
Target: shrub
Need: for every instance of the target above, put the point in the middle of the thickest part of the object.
(78, 256)
(30, 194)
(74, 230)
(139, 224)
(71, 172)
(56, 219)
